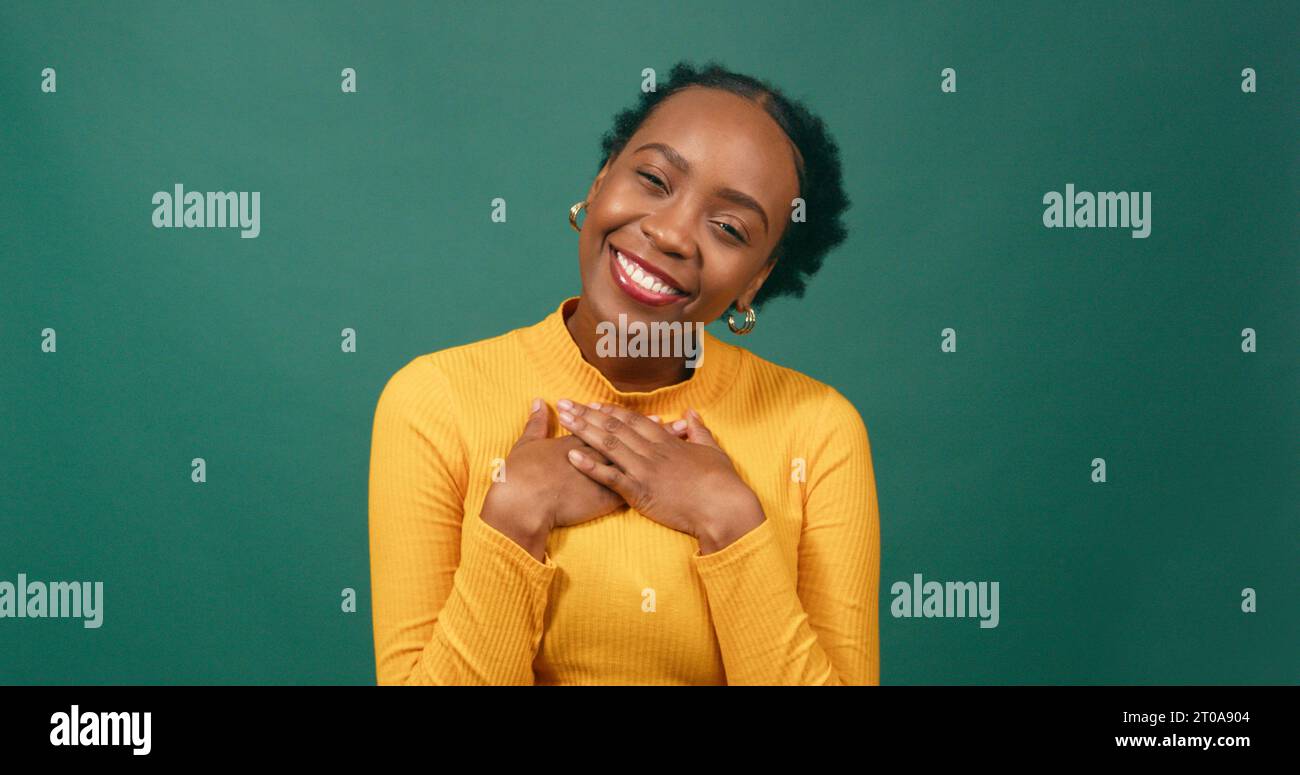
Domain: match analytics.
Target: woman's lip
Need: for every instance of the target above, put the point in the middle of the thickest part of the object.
(648, 269)
(636, 291)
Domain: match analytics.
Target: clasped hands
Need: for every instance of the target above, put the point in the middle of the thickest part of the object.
(676, 474)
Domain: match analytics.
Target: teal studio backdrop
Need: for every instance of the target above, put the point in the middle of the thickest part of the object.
(375, 214)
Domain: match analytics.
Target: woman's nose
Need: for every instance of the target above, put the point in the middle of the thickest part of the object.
(670, 230)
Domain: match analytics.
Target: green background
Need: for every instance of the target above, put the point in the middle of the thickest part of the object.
(1073, 343)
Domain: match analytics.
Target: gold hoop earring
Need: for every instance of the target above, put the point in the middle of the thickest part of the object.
(751, 317)
(573, 215)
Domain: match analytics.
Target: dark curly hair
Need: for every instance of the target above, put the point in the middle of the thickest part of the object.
(804, 244)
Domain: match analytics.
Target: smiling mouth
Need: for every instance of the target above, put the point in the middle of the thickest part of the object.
(641, 285)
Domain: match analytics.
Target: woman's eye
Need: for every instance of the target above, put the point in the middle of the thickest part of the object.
(733, 231)
(652, 178)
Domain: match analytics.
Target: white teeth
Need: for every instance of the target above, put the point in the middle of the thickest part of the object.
(643, 279)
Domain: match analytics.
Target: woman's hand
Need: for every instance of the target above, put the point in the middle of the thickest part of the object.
(688, 484)
(541, 491)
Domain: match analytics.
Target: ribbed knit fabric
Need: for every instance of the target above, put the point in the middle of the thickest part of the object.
(620, 599)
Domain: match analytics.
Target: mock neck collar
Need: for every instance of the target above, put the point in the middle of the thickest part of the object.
(565, 373)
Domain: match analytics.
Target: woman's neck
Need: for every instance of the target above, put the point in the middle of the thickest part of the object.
(625, 374)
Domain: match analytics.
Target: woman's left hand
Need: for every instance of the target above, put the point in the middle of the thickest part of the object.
(688, 484)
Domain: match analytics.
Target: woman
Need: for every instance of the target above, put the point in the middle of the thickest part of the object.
(535, 517)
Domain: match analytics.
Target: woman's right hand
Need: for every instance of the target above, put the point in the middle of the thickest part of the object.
(541, 490)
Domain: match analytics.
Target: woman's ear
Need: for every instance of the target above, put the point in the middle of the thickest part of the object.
(594, 191)
(751, 290)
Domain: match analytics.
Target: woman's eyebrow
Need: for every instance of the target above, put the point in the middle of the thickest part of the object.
(730, 194)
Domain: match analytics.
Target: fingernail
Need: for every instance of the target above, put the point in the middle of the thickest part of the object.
(679, 425)
(566, 418)
(594, 404)
(654, 417)
(537, 404)
(575, 456)
(564, 403)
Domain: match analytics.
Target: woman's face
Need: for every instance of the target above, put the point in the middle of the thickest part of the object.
(698, 198)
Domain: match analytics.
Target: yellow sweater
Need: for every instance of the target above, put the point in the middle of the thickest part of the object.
(620, 599)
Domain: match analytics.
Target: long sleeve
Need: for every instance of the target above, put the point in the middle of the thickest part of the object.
(440, 616)
(822, 627)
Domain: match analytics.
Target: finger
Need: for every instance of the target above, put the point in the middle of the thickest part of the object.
(696, 433)
(624, 446)
(573, 442)
(635, 439)
(677, 429)
(538, 424)
(610, 476)
(649, 429)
